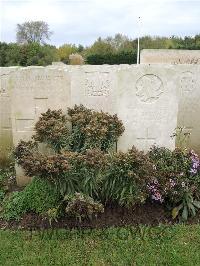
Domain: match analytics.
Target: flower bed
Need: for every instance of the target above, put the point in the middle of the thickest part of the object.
(84, 177)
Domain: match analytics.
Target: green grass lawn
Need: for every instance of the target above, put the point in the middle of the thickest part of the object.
(164, 245)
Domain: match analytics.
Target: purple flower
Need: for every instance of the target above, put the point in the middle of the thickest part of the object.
(193, 171)
(195, 162)
(158, 197)
(154, 191)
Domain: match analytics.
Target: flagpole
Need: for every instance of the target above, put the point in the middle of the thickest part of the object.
(138, 42)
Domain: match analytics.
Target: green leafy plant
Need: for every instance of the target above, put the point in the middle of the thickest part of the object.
(126, 178)
(69, 171)
(177, 179)
(188, 207)
(2, 191)
(35, 163)
(25, 150)
(182, 136)
(78, 159)
(14, 206)
(82, 206)
(86, 170)
(38, 196)
(171, 175)
(53, 128)
(53, 214)
(41, 195)
(92, 129)
(5, 173)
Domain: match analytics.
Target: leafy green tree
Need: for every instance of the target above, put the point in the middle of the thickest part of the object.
(99, 47)
(118, 42)
(66, 50)
(3, 49)
(33, 31)
(121, 57)
(9, 54)
(38, 55)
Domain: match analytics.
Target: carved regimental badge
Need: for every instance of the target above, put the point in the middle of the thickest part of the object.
(149, 88)
(97, 84)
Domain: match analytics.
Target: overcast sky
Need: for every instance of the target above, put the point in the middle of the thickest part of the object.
(83, 21)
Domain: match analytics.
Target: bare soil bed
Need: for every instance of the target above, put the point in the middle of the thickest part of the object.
(147, 214)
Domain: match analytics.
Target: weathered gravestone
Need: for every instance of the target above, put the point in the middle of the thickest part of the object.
(145, 99)
(148, 106)
(169, 56)
(34, 90)
(188, 80)
(5, 114)
(95, 87)
(187, 71)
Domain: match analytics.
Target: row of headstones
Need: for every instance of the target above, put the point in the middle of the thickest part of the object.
(151, 100)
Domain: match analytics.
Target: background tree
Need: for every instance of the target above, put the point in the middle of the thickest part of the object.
(33, 31)
(37, 55)
(65, 51)
(118, 49)
(9, 54)
(118, 42)
(100, 47)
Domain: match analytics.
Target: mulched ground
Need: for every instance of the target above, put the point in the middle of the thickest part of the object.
(147, 214)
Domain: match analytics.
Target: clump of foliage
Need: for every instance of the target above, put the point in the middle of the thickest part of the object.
(87, 169)
(127, 176)
(2, 185)
(187, 207)
(182, 137)
(79, 157)
(41, 195)
(35, 163)
(76, 59)
(77, 164)
(92, 129)
(69, 171)
(6, 178)
(38, 196)
(25, 150)
(53, 214)
(66, 50)
(177, 179)
(14, 206)
(117, 58)
(82, 206)
(53, 128)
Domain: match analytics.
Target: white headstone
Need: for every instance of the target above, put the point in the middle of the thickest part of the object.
(169, 56)
(94, 87)
(188, 79)
(148, 107)
(34, 90)
(5, 113)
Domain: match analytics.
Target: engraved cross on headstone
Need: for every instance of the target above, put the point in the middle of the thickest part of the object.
(146, 141)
